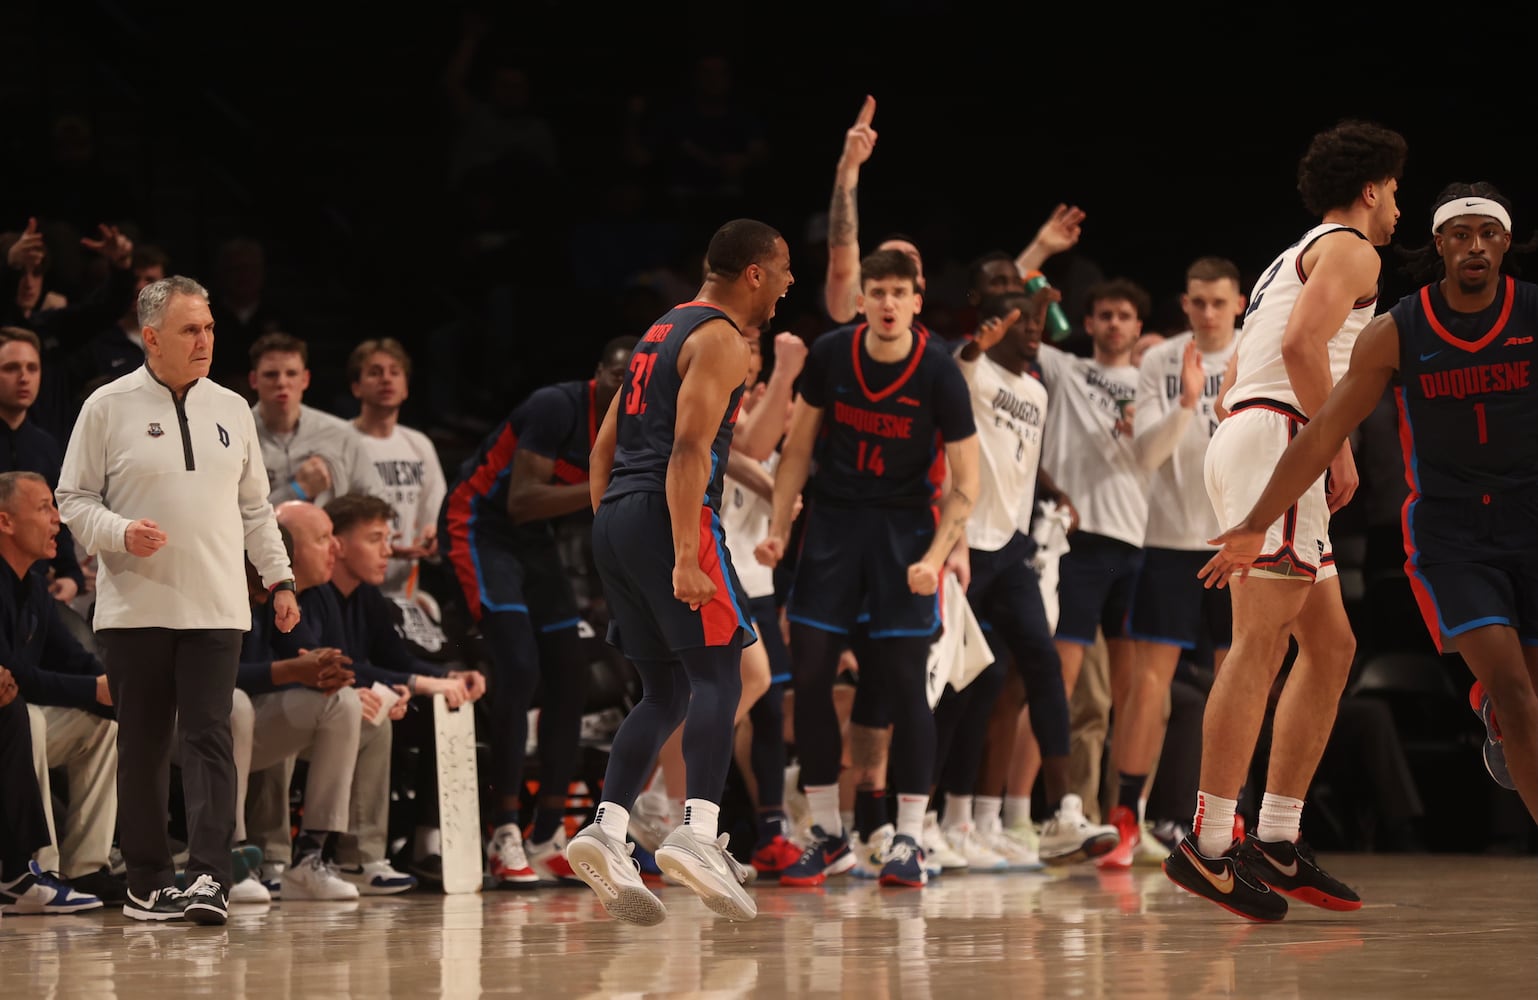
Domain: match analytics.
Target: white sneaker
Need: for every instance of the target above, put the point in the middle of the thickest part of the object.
(964, 840)
(506, 860)
(608, 868)
(1019, 852)
(249, 890)
(272, 878)
(313, 878)
(707, 868)
(870, 856)
(936, 850)
(650, 820)
(378, 878)
(1069, 837)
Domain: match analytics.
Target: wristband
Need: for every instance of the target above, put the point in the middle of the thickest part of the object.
(299, 492)
(287, 585)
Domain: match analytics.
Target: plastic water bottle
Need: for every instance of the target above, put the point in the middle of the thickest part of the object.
(1057, 321)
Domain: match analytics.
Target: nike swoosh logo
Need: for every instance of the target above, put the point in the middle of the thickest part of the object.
(829, 857)
(1290, 870)
(1470, 204)
(1428, 357)
(1225, 884)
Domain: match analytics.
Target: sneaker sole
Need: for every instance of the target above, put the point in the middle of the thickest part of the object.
(295, 895)
(202, 913)
(11, 909)
(895, 882)
(729, 900)
(633, 905)
(1316, 897)
(380, 890)
(134, 913)
(1094, 847)
(1258, 918)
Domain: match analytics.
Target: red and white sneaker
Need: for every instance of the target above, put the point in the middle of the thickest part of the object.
(775, 856)
(505, 858)
(549, 860)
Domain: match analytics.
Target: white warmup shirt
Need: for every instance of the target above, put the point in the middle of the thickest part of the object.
(317, 433)
(1088, 458)
(407, 473)
(1010, 412)
(745, 523)
(194, 467)
(1172, 441)
(1261, 373)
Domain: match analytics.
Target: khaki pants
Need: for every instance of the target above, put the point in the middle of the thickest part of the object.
(1089, 723)
(290, 725)
(85, 746)
(369, 823)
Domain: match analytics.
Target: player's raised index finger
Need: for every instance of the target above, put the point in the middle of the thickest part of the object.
(867, 111)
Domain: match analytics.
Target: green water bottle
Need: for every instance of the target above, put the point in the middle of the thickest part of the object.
(1057, 321)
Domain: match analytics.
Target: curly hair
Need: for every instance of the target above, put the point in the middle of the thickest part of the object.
(1341, 160)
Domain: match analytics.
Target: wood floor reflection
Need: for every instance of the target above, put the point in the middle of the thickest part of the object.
(1432, 926)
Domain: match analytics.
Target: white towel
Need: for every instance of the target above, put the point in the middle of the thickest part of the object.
(961, 652)
(1051, 534)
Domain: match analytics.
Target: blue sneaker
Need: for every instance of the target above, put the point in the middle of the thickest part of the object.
(38, 891)
(825, 855)
(904, 864)
(378, 878)
(1495, 747)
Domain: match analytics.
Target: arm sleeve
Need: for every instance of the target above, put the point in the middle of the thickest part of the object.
(264, 544)
(83, 484)
(1156, 424)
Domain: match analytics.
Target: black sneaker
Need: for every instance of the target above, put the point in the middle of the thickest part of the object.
(428, 869)
(102, 884)
(206, 901)
(1290, 868)
(162, 904)
(1225, 880)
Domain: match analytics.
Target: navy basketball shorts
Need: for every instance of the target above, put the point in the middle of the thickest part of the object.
(633, 548)
(527, 578)
(1008, 571)
(856, 559)
(1171, 607)
(1470, 564)
(1095, 578)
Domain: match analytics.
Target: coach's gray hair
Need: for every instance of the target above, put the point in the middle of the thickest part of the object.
(10, 481)
(153, 300)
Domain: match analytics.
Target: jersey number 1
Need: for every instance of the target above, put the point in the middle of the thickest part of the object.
(1479, 416)
(640, 377)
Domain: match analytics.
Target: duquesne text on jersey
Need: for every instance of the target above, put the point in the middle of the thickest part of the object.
(1475, 380)
(887, 425)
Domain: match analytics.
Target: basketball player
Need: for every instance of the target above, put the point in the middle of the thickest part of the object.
(679, 612)
(1458, 354)
(1177, 387)
(1009, 404)
(1304, 316)
(1090, 453)
(878, 401)
(497, 531)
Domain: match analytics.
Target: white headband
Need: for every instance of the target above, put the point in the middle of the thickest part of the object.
(1470, 206)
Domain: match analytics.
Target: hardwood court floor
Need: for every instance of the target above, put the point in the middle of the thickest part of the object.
(1432, 926)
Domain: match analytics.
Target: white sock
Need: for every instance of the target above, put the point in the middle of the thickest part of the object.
(613, 820)
(676, 809)
(910, 816)
(846, 816)
(1279, 818)
(958, 810)
(823, 801)
(1017, 810)
(700, 817)
(1213, 823)
(986, 812)
(1142, 810)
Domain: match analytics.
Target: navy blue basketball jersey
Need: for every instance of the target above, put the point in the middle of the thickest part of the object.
(648, 409)
(1467, 406)
(558, 422)
(884, 425)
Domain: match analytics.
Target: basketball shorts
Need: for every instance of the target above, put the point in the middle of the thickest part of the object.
(1171, 606)
(853, 560)
(1094, 587)
(496, 576)
(1470, 564)
(1240, 458)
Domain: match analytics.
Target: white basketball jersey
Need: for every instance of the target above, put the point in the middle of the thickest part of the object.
(1180, 514)
(1085, 454)
(1011, 412)
(1261, 373)
(745, 523)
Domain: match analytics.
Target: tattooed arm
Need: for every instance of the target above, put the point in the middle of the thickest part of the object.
(843, 282)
